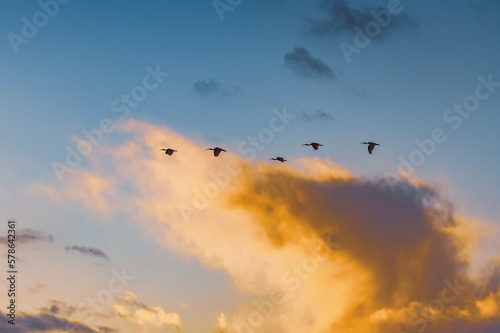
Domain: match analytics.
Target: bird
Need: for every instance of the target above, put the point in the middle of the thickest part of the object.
(216, 150)
(315, 145)
(281, 159)
(371, 145)
(169, 151)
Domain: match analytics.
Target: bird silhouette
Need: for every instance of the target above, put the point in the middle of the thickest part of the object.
(371, 145)
(216, 150)
(315, 145)
(169, 151)
(281, 159)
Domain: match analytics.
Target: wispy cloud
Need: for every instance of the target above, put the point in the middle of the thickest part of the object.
(105, 329)
(341, 18)
(36, 287)
(59, 308)
(301, 62)
(87, 189)
(47, 322)
(89, 251)
(27, 235)
(316, 115)
(213, 89)
(361, 93)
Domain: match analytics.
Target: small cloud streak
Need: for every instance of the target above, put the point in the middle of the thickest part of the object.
(212, 89)
(316, 115)
(59, 308)
(88, 251)
(361, 93)
(47, 322)
(36, 287)
(302, 63)
(342, 18)
(26, 236)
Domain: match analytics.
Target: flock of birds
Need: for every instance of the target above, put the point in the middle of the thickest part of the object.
(315, 145)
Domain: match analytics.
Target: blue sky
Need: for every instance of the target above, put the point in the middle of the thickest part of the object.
(225, 78)
(82, 60)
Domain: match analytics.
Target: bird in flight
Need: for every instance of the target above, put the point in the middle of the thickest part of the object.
(169, 151)
(281, 159)
(371, 145)
(315, 145)
(216, 150)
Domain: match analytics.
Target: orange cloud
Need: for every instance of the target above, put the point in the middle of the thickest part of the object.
(321, 249)
(130, 308)
(92, 191)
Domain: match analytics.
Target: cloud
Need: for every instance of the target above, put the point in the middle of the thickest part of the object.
(47, 322)
(316, 115)
(26, 236)
(88, 190)
(130, 308)
(302, 63)
(86, 311)
(485, 6)
(36, 287)
(59, 308)
(321, 250)
(105, 329)
(212, 89)
(89, 251)
(361, 93)
(221, 323)
(341, 18)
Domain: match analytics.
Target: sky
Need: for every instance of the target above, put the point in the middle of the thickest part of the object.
(114, 235)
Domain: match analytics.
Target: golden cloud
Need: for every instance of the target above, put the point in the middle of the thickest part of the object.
(130, 308)
(321, 249)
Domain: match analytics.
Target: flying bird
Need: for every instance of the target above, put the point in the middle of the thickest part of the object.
(216, 150)
(281, 159)
(169, 151)
(315, 145)
(371, 145)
